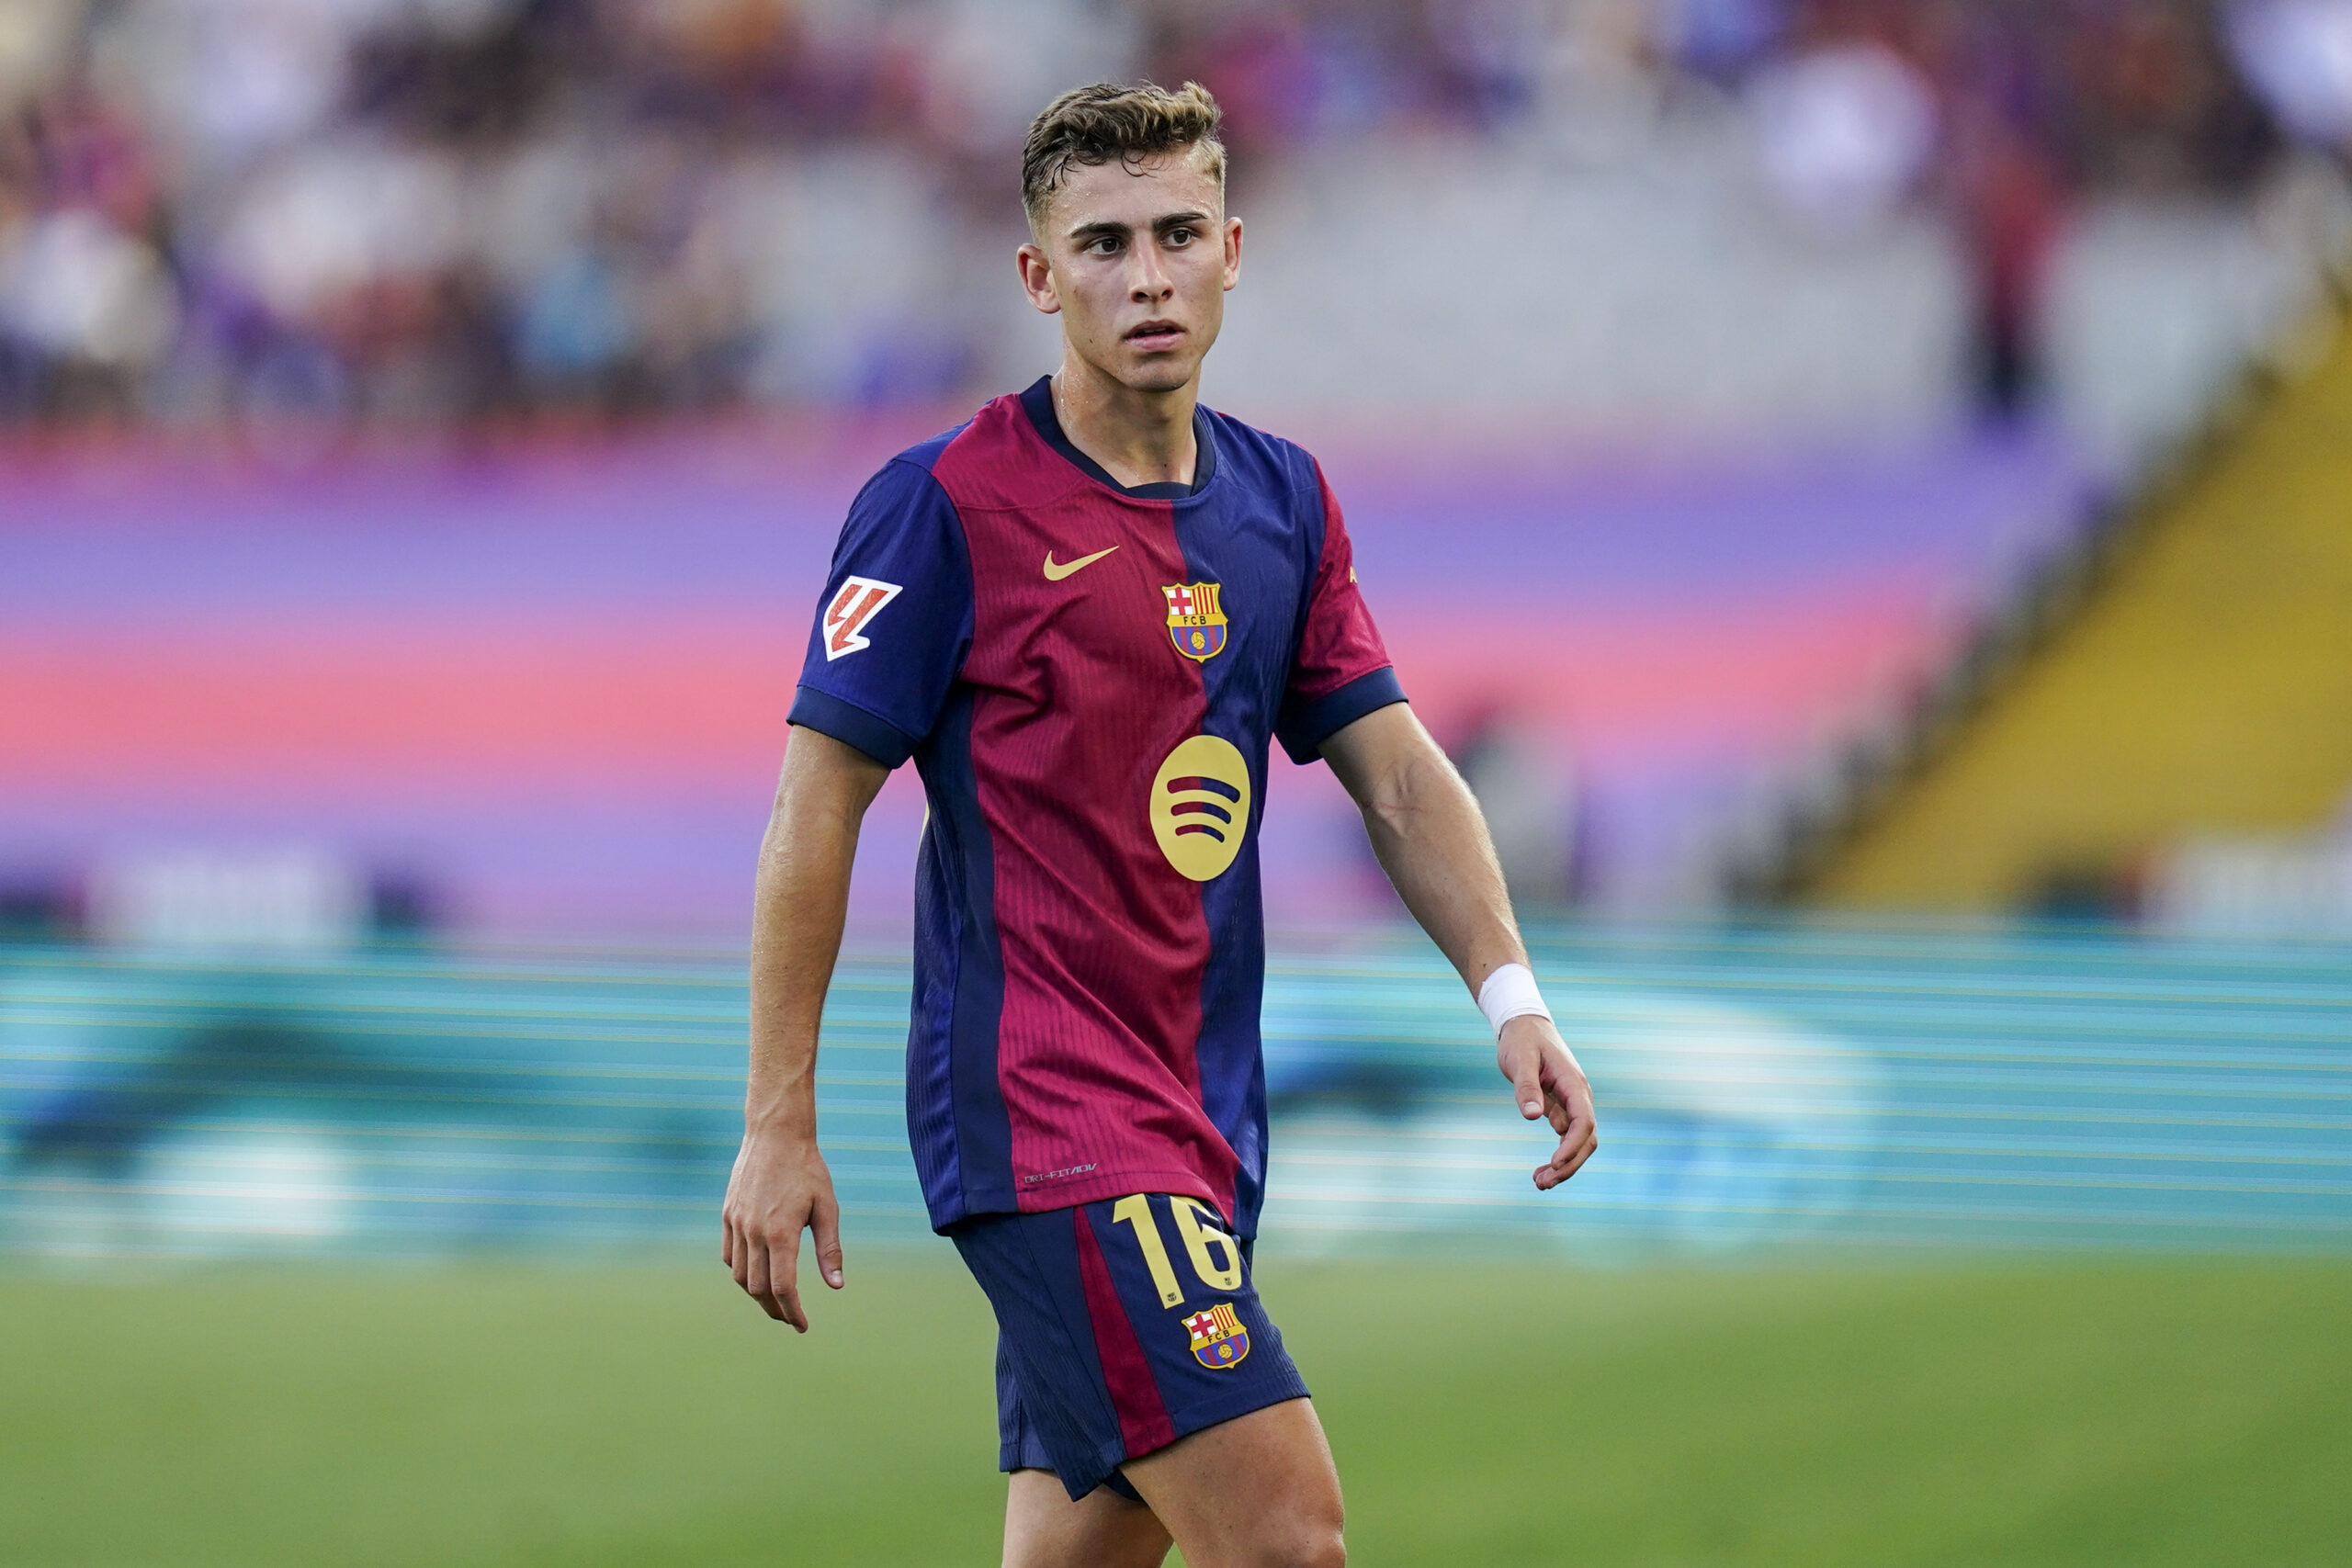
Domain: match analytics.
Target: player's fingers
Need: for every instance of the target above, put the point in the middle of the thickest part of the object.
(1577, 1145)
(739, 1263)
(1567, 1096)
(784, 1279)
(826, 1226)
(1576, 1162)
(1525, 1070)
(1568, 1155)
(752, 1272)
(1583, 1132)
(727, 1239)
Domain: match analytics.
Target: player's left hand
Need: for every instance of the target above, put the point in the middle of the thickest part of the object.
(1549, 1084)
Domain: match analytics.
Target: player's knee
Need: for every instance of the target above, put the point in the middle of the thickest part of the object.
(1322, 1549)
(1307, 1543)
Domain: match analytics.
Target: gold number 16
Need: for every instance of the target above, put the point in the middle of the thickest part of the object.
(1198, 1238)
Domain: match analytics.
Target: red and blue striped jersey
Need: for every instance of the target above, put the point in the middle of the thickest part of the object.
(1087, 678)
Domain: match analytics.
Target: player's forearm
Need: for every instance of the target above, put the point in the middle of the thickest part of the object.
(800, 907)
(1430, 838)
(802, 902)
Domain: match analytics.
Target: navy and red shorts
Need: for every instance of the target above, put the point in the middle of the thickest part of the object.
(1122, 1325)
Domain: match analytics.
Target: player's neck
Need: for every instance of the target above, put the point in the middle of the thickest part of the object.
(1140, 439)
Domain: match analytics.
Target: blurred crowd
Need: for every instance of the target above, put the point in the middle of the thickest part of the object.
(425, 211)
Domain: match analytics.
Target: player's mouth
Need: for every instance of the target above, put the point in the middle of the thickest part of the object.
(1150, 335)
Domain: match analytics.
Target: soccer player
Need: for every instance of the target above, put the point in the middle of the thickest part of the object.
(1084, 615)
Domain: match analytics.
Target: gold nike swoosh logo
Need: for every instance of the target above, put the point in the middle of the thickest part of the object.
(1055, 571)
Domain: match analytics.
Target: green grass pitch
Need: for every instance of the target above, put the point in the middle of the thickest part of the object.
(2046, 1411)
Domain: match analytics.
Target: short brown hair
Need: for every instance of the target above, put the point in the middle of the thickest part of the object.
(1103, 122)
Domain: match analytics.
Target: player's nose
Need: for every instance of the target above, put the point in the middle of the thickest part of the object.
(1151, 283)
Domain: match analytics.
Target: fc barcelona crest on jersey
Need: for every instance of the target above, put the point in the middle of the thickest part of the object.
(1218, 1339)
(1196, 620)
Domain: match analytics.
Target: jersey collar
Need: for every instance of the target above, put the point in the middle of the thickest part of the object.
(1038, 400)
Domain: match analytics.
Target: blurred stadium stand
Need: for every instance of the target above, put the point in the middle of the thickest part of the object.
(2198, 686)
(428, 415)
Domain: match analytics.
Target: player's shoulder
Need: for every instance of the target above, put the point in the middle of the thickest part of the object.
(995, 426)
(908, 485)
(902, 506)
(1261, 459)
(920, 459)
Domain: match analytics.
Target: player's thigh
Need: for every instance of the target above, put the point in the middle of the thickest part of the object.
(1043, 1529)
(1259, 1491)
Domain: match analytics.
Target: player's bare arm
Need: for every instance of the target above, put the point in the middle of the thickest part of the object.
(780, 1186)
(1431, 839)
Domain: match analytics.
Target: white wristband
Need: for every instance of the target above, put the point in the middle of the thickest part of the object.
(1508, 992)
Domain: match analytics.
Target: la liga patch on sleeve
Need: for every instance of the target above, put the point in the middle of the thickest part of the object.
(860, 599)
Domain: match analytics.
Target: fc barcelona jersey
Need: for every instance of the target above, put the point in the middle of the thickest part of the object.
(1088, 678)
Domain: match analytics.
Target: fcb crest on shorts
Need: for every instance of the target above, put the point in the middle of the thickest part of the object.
(1218, 1339)
(1196, 620)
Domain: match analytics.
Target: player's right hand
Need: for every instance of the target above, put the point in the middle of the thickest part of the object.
(780, 1188)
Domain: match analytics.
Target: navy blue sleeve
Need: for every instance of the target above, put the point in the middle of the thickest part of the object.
(1341, 671)
(896, 621)
(1304, 725)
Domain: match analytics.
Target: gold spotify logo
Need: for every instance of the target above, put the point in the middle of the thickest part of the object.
(1200, 807)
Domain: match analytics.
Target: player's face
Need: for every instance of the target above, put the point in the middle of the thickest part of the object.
(1135, 259)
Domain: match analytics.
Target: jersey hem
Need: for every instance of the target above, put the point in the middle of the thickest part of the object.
(1099, 1185)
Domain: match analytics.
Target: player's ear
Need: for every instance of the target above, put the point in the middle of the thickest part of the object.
(1232, 251)
(1037, 279)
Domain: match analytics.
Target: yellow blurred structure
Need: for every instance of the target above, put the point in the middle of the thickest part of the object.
(2205, 684)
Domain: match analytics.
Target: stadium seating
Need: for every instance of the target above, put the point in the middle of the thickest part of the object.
(2203, 685)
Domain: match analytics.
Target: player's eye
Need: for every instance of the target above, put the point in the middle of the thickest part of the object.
(1102, 245)
(1180, 236)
